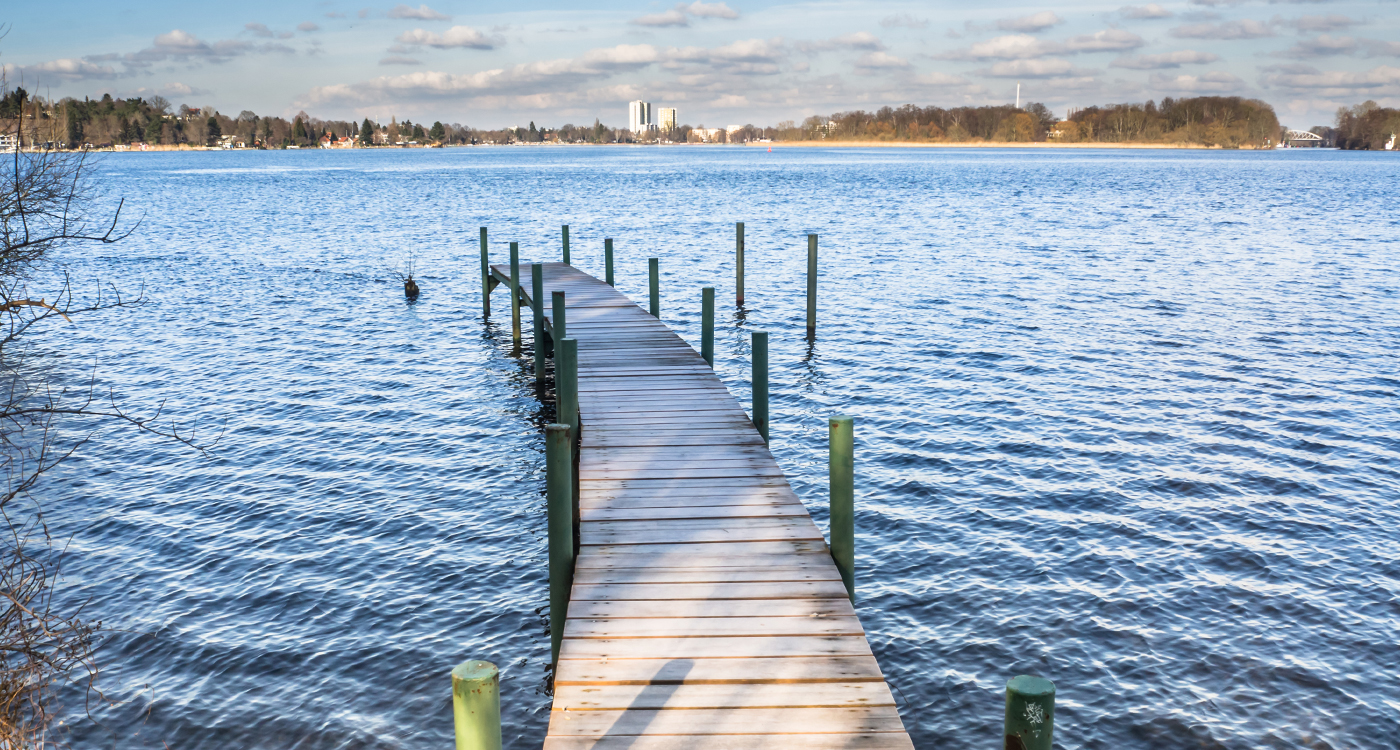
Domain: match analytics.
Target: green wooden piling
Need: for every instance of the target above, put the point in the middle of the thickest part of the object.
(558, 324)
(707, 324)
(655, 267)
(566, 382)
(566, 244)
(559, 481)
(607, 259)
(515, 292)
(760, 383)
(811, 283)
(476, 705)
(1030, 713)
(739, 263)
(537, 307)
(841, 468)
(485, 277)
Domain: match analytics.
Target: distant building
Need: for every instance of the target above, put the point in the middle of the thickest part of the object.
(667, 118)
(639, 117)
(706, 135)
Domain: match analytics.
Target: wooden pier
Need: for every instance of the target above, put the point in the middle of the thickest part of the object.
(706, 612)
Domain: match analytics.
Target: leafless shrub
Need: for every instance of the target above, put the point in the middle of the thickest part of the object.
(45, 642)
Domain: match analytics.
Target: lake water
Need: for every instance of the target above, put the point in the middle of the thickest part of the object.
(1125, 419)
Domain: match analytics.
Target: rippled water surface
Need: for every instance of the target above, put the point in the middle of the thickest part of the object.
(1127, 420)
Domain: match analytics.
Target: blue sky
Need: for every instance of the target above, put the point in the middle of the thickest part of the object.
(497, 64)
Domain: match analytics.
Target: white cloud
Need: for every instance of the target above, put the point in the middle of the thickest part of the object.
(874, 62)
(1034, 22)
(1384, 79)
(1051, 68)
(682, 13)
(63, 69)
(1201, 85)
(421, 13)
(308, 26)
(673, 17)
(455, 37)
(1330, 22)
(1324, 45)
(711, 10)
(1104, 41)
(399, 60)
(1243, 29)
(860, 40)
(1010, 47)
(1165, 60)
(1144, 12)
(905, 20)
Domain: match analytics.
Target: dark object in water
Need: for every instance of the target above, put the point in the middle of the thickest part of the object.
(410, 288)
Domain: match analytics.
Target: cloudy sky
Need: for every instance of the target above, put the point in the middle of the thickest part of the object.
(492, 64)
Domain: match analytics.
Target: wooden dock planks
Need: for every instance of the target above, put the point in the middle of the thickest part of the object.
(706, 613)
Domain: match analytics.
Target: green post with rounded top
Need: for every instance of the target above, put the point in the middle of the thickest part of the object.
(566, 382)
(739, 263)
(559, 502)
(811, 283)
(841, 467)
(558, 324)
(608, 261)
(566, 244)
(476, 705)
(515, 292)
(537, 306)
(707, 324)
(655, 268)
(759, 380)
(1030, 713)
(485, 277)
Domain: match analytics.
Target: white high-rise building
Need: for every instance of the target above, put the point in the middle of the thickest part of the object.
(639, 116)
(667, 118)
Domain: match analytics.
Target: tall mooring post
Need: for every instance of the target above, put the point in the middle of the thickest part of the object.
(841, 467)
(558, 322)
(566, 383)
(739, 263)
(476, 705)
(515, 293)
(608, 261)
(1030, 713)
(559, 490)
(537, 298)
(707, 324)
(485, 277)
(654, 265)
(566, 244)
(811, 284)
(759, 380)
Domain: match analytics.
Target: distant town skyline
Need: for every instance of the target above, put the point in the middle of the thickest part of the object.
(494, 65)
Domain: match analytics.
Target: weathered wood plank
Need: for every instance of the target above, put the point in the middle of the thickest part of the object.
(769, 695)
(706, 575)
(726, 721)
(758, 670)
(873, 741)
(709, 591)
(697, 608)
(712, 648)
(694, 627)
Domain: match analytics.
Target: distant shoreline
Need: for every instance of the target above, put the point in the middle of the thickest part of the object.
(983, 144)
(749, 144)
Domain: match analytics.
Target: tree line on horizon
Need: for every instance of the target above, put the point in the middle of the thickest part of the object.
(1227, 122)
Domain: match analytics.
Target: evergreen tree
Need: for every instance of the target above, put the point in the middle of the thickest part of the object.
(418, 132)
(534, 134)
(74, 136)
(367, 133)
(153, 129)
(215, 132)
(438, 134)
